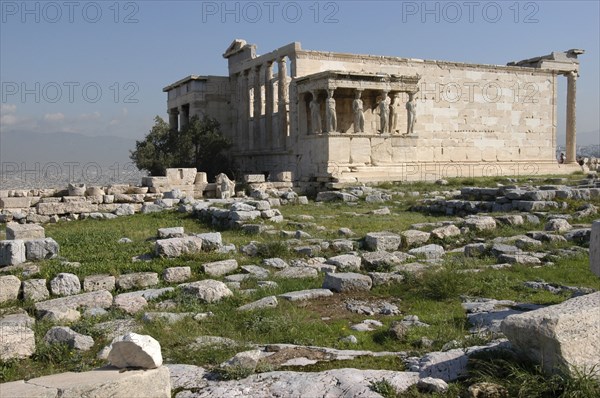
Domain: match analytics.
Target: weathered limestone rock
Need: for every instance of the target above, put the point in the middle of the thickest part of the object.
(297, 273)
(220, 268)
(211, 241)
(100, 299)
(480, 223)
(446, 231)
(413, 237)
(560, 337)
(381, 260)
(173, 232)
(9, 288)
(559, 225)
(430, 384)
(339, 383)
(12, 252)
(40, 249)
(93, 283)
(15, 342)
(275, 263)
(177, 274)
(345, 262)
(244, 360)
(61, 208)
(130, 303)
(348, 281)
(101, 383)
(65, 284)
(309, 294)
(207, 290)
(382, 241)
(24, 231)
(137, 280)
(175, 247)
(135, 351)
(475, 249)
(64, 334)
(428, 251)
(595, 248)
(266, 302)
(21, 319)
(61, 315)
(331, 196)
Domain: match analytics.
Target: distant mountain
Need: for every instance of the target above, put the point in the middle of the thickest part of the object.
(28, 147)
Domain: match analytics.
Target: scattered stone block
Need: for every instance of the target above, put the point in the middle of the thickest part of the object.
(332, 196)
(175, 247)
(561, 337)
(177, 274)
(413, 237)
(16, 342)
(41, 249)
(64, 334)
(9, 288)
(348, 281)
(65, 284)
(346, 262)
(220, 268)
(429, 251)
(12, 252)
(297, 273)
(207, 290)
(446, 231)
(173, 232)
(211, 241)
(24, 231)
(100, 383)
(135, 351)
(61, 314)
(480, 223)
(137, 280)
(266, 302)
(559, 225)
(101, 299)
(93, 283)
(386, 241)
(309, 294)
(131, 303)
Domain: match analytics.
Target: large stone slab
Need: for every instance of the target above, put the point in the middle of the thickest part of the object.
(176, 247)
(48, 209)
(595, 248)
(24, 231)
(559, 337)
(207, 290)
(387, 241)
(308, 294)
(338, 383)
(9, 288)
(12, 252)
(41, 249)
(347, 281)
(220, 268)
(16, 341)
(100, 299)
(100, 383)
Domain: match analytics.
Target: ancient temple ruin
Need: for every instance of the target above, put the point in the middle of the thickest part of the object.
(324, 117)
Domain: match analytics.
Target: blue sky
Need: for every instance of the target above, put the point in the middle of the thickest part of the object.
(98, 67)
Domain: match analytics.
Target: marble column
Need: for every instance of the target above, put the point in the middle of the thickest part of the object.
(269, 104)
(174, 119)
(256, 130)
(571, 118)
(245, 110)
(283, 100)
(237, 135)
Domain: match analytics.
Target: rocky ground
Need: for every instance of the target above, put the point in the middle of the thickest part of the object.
(364, 292)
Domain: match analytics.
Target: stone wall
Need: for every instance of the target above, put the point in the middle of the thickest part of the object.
(595, 248)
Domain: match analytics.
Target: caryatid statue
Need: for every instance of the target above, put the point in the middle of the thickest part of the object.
(315, 114)
(411, 112)
(359, 116)
(384, 112)
(395, 114)
(330, 117)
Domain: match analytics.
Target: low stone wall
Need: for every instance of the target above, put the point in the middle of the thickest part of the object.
(98, 383)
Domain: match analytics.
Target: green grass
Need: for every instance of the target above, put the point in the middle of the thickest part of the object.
(434, 296)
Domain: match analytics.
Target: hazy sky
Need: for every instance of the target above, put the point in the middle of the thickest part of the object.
(98, 68)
